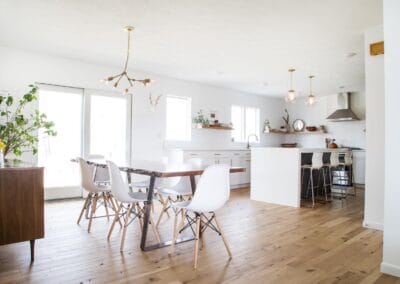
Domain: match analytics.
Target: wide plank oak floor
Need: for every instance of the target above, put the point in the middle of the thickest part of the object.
(270, 244)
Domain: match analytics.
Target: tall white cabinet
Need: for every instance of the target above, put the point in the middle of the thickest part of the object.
(234, 158)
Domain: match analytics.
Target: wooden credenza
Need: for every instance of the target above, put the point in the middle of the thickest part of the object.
(21, 205)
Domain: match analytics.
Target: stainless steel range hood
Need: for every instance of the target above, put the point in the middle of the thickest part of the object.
(343, 111)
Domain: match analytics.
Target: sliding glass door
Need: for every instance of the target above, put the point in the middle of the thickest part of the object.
(108, 128)
(64, 107)
(89, 124)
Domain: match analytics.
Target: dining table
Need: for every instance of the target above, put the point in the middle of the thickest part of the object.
(156, 170)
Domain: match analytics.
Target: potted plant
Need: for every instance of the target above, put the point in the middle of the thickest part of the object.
(18, 128)
(200, 120)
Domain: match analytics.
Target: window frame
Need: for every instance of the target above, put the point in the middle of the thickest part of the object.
(243, 130)
(188, 136)
(86, 94)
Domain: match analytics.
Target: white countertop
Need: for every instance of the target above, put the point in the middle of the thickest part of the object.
(214, 149)
(324, 150)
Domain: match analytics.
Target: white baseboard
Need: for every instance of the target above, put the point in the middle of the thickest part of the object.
(237, 186)
(62, 192)
(373, 225)
(391, 269)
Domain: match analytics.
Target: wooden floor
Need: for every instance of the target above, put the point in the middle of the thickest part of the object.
(270, 244)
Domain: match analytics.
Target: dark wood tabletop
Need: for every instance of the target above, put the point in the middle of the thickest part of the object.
(159, 169)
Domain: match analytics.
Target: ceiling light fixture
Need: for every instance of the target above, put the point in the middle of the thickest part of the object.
(124, 74)
(310, 99)
(291, 96)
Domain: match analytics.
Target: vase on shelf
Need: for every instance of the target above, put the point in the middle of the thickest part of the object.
(1, 159)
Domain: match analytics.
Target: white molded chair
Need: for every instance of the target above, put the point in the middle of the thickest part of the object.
(97, 194)
(333, 164)
(212, 193)
(176, 191)
(129, 203)
(316, 164)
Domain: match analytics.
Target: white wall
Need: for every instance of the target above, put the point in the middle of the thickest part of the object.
(20, 68)
(350, 133)
(375, 142)
(391, 239)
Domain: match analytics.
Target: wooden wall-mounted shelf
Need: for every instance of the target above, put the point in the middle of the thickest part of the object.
(377, 48)
(214, 127)
(295, 132)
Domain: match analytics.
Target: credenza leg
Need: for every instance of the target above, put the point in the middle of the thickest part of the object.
(32, 250)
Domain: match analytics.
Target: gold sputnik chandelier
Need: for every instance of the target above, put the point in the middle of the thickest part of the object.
(116, 79)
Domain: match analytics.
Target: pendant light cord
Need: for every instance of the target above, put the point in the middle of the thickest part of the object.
(128, 51)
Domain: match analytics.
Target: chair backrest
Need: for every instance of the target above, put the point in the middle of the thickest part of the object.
(184, 183)
(119, 189)
(213, 189)
(86, 175)
(317, 160)
(175, 156)
(334, 159)
(348, 159)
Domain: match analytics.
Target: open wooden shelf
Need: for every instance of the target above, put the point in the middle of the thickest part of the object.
(214, 127)
(295, 132)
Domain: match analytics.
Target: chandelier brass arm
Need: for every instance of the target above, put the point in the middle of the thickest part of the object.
(124, 74)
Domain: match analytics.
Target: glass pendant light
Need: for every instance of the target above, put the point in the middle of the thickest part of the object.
(291, 96)
(310, 99)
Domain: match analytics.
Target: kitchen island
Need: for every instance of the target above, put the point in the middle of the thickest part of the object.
(276, 173)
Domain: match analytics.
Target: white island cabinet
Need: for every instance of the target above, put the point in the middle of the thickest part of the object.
(276, 174)
(234, 158)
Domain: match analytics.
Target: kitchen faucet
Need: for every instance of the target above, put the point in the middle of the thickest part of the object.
(248, 139)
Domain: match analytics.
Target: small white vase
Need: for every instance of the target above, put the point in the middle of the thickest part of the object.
(1, 159)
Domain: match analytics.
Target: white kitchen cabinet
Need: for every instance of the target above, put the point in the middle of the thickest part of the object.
(359, 166)
(237, 178)
(232, 158)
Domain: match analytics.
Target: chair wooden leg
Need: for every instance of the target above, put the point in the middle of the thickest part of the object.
(201, 234)
(106, 206)
(164, 206)
(176, 232)
(94, 205)
(116, 217)
(128, 212)
(115, 207)
(83, 208)
(223, 238)
(196, 246)
(139, 212)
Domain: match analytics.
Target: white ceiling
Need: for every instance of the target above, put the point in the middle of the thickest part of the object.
(236, 44)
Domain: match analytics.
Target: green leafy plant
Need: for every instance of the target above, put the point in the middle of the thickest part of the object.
(19, 131)
(200, 118)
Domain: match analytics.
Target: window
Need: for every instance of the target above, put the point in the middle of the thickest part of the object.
(88, 123)
(63, 106)
(108, 127)
(178, 122)
(246, 121)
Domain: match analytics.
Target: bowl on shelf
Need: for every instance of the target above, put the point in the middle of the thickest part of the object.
(311, 128)
(289, 145)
